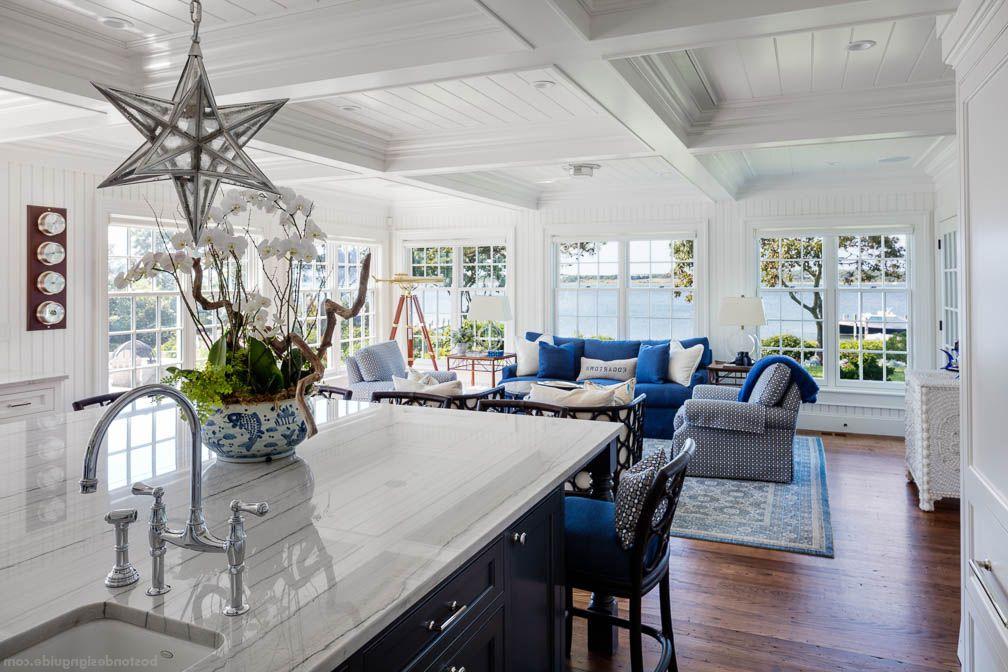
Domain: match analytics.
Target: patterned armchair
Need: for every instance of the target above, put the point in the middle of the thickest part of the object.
(749, 440)
(371, 369)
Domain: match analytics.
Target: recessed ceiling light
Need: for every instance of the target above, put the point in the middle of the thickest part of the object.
(116, 22)
(543, 84)
(350, 108)
(894, 159)
(861, 45)
(832, 163)
(581, 169)
(545, 181)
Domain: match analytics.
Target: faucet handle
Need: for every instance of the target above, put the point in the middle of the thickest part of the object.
(121, 517)
(255, 508)
(123, 573)
(141, 488)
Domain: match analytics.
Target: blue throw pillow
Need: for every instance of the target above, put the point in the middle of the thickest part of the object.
(558, 361)
(652, 363)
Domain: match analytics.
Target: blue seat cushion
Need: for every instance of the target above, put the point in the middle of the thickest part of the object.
(592, 547)
(664, 394)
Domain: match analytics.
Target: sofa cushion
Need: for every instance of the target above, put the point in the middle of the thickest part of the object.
(617, 369)
(708, 356)
(653, 363)
(665, 394)
(683, 362)
(381, 361)
(610, 350)
(527, 354)
(623, 391)
(558, 361)
(576, 398)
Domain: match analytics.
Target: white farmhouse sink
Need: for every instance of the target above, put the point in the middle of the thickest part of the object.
(109, 636)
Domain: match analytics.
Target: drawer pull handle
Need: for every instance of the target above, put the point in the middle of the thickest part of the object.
(1000, 602)
(456, 669)
(519, 538)
(457, 611)
(21, 405)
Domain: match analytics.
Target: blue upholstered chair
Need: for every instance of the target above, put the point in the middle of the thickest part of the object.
(371, 369)
(597, 562)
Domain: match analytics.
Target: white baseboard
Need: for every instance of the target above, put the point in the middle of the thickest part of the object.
(828, 422)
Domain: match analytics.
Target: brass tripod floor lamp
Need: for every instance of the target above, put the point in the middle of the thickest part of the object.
(409, 302)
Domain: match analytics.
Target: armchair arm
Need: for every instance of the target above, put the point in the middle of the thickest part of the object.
(735, 416)
(509, 371)
(781, 418)
(443, 376)
(722, 392)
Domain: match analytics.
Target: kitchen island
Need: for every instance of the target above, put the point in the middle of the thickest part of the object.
(399, 538)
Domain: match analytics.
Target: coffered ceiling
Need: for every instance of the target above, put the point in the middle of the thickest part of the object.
(487, 100)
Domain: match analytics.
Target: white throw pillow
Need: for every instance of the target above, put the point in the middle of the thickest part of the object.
(579, 398)
(407, 385)
(448, 389)
(528, 355)
(616, 369)
(623, 393)
(683, 362)
(421, 377)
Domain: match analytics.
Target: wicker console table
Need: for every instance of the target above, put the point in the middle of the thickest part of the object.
(932, 435)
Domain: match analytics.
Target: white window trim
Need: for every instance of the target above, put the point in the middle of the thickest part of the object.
(623, 232)
(404, 241)
(918, 226)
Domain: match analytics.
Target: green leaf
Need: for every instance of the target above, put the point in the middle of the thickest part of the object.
(218, 352)
(262, 366)
(292, 366)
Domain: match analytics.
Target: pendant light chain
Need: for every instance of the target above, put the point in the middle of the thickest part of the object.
(196, 14)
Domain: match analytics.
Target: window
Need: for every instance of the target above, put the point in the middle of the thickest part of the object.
(316, 287)
(839, 304)
(948, 259)
(466, 270)
(638, 289)
(791, 284)
(872, 307)
(145, 331)
(358, 332)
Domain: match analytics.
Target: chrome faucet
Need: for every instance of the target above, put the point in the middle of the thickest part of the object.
(196, 536)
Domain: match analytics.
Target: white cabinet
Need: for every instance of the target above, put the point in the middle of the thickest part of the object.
(932, 435)
(975, 43)
(26, 395)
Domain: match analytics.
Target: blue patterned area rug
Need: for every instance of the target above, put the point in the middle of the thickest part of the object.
(793, 517)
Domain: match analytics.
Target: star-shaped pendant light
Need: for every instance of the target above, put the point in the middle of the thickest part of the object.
(190, 139)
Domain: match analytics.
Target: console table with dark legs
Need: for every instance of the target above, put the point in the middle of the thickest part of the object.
(726, 373)
(481, 362)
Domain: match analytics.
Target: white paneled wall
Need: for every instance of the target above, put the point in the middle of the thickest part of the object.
(728, 255)
(76, 350)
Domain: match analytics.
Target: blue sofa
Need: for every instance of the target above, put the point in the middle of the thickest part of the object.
(663, 399)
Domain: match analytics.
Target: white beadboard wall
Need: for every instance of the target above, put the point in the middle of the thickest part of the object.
(728, 245)
(72, 184)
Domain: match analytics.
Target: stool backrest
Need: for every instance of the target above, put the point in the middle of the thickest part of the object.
(658, 510)
(333, 392)
(522, 407)
(410, 399)
(470, 401)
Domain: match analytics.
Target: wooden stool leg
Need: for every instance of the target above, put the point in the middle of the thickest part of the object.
(666, 620)
(636, 646)
(569, 619)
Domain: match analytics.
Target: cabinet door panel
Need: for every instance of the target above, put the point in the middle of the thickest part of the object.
(535, 588)
(480, 651)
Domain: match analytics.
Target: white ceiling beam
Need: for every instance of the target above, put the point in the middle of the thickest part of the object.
(485, 189)
(30, 131)
(675, 25)
(895, 112)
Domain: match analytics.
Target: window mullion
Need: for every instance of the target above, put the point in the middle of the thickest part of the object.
(831, 320)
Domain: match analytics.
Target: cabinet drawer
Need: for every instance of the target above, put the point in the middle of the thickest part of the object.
(442, 615)
(28, 402)
(481, 650)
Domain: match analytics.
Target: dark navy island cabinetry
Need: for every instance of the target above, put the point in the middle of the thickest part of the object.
(503, 610)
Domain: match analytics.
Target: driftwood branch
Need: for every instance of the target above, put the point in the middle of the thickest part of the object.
(307, 380)
(197, 291)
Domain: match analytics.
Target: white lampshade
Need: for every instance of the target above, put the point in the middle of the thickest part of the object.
(489, 308)
(741, 311)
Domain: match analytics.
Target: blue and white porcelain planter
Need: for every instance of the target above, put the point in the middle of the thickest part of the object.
(255, 432)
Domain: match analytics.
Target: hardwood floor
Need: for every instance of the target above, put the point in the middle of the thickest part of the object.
(889, 600)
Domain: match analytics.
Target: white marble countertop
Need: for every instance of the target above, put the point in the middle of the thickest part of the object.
(14, 378)
(379, 508)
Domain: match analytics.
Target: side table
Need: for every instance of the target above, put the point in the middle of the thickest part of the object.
(481, 362)
(726, 373)
(932, 435)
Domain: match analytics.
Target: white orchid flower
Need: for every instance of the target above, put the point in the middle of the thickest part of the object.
(215, 214)
(313, 230)
(182, 240)
(286, 194)
(120, 281)
(266, 249)
(236, 245)
(183, 262)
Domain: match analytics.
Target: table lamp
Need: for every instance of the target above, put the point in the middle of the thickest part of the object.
(742, 312)
(489, 308)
